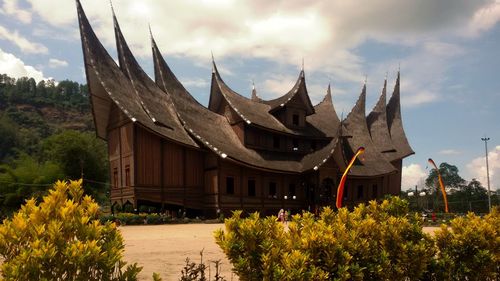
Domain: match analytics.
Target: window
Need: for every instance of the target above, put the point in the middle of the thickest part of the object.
(229, 185)
(295, 143)
(295, 119)
(115, 177)
(291, 189)
(374, 191)
(276, 142)
(251, 188)
(360, 191)
(272, 190)
(127, 175)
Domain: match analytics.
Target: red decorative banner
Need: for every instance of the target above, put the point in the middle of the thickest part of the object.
(441, 184)
(340, 189)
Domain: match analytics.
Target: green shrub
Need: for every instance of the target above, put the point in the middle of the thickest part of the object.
(62, 239)
(469, 249)
(373, 242)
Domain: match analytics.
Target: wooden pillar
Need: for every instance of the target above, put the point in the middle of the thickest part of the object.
(184, 165)
(218, 183)
(162, 187)
(261, 191)
(241, 187)
(120, 183)
(133, 183)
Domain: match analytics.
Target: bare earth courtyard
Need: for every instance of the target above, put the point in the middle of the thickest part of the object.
(164, 248)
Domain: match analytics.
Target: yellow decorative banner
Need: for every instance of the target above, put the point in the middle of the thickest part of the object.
(340, 189)
(441, 184)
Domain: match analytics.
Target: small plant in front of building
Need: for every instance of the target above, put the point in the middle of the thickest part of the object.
(61, 238)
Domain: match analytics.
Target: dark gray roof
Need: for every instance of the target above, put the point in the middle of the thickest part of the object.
(377, 124)
(325, 117)
(395, 125)
(252, 112)
(373, 163)
(299, 89)
(108, 85)
(214, 131)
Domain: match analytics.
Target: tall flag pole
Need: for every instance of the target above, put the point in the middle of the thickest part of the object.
(340, 189)
(441, 184)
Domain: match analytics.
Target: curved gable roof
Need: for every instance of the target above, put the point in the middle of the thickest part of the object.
(158, 106)
(252, 112)
(374, 163)
(108, 84)
(299, 89)
(325, 117)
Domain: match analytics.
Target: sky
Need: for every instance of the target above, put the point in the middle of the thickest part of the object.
(447, 52)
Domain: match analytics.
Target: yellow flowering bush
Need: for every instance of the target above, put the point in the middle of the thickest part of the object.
(373, 242)
(468, 249)
(62, 239)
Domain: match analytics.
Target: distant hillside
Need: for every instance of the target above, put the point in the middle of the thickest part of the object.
(47, 134)
(37, 110)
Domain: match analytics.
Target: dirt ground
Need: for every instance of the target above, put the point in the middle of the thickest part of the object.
(164, 248)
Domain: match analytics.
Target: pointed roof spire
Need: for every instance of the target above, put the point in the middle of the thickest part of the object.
(214, 67)
(395, 123)
(377, 124)
(328, 96)
(254, 93)
(150, 32)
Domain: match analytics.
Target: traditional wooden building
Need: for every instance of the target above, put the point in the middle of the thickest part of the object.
(168, 150)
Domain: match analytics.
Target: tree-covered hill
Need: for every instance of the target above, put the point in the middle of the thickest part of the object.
(46, 133)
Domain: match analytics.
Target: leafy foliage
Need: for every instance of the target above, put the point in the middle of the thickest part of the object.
(23, 178)
(469, 249)
(450, 176)
(34, 121)
(463, 196)
(78, 153)
(374, 242)
(62, 239)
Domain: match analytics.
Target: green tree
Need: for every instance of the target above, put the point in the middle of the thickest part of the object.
(24, 177)
(450, 176)
(79, 153)
(8, 137)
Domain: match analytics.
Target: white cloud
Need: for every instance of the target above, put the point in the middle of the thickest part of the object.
(55, 63)
(277, 85)
(477, 168)
(14, 67)
(24, 44)
(11, 8)
(324, 33)
(412, 175)
(449, 152)
(484, 18)
(194, 82)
